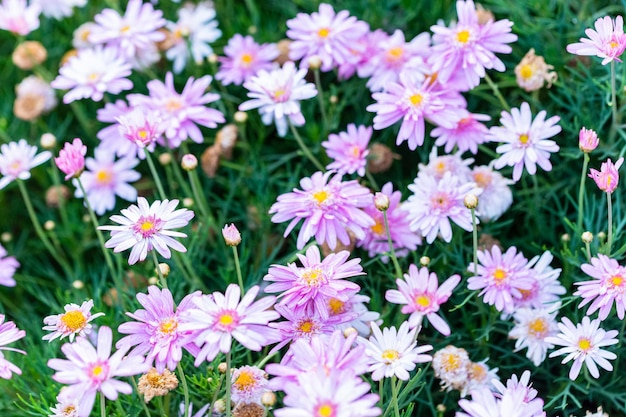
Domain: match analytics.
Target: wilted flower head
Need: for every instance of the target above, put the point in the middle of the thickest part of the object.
(248, 384)
(587, 140)
(532, 72)
(155, 384)
(608, 177)
(606, 41)
(451, 365)
(29, 54)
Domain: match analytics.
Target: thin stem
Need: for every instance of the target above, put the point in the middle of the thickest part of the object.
(609, 240)
(392, 252)
(613, 95)
(394, 395)
(320, 98)
(496, 92)
(59, 194)
(474, 241)
(143, 403)
(372, 180)
(581, 194)
(238, 268)
(228, 384)
(155, 175)
(198, 195)
(102, 405)
(588, 251)
(306, 151)
(381, 387)
(183, 380)
(158, 269)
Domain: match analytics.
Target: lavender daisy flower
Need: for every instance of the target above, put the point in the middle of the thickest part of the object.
(353, 313)
(244, 58)
(106, 178)
(181, 113)
(156, 330)
(607, 41)
(146, 227)
(303, 324)
(421, 295)
(112, 137)
(140, 127)
(311, 286)
(8, 265)
(17, 159)
(58, 9)
(525, 140)
(607, 287)
(19, 17)
(434, 203)
(91, 73)
(219, 318)
(512, 403)
(9, 333)
(329, 208)
(546, 288)
(277, 95)
(332, 37)
(76, 320)
(88, 370)
(349, 150)
(583, 343)
(467, 134)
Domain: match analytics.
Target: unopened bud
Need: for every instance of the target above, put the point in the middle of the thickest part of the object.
(424, 261)
(565, 237)
(315, 62)
(153, 280)
(587, 140)
(6, 237)
(48, 141)
(78, 284)
(240, 117)
(165, 269)
(333, 99)
(268, 398)
(86, 218)
(252, 30)
(165, 159)
(189, 162)
(219, 406)
(49, 225)
(441, 408)
(587, 237)
(188, 202)
(470, 201)
(212, 59)
(222, 368)
(601, 236)
(381, 201)
(232, 237)
(349, 331)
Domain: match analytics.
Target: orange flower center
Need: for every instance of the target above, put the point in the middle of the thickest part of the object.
(74, 320)
(336, 306)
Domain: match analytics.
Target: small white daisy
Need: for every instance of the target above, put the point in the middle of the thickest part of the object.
(75, 321)
(532, 327)
(17, 159)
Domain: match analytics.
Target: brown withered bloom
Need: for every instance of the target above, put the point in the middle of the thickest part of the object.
(483, 14)
(532, 72)
(227, 138)
(29, 54)
(380, 158)
(28, 107)
(248, 410)
(283, 49)
(154, 384)
(210, 160)
(55, 193)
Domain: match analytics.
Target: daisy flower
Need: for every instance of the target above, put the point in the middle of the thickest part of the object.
(348, 150)
(451, 364)
(91, 73)
(65, 406)
(9, 333)
(515, 385)
(438, 165)
(106, 178)
(313, 284)
(501, 277)
(303, 324)
(191, 35)
(532, 327)
(90, 369)
(496, 197)
(19, 17)
(480, 376)
(330, 36)
(587, 140)
(394, 352)
(181, 113)
(8, 265)
(277, 95)
(434, 203)
(608, 177)
(71, 159)
(330, 208)
(583, 343)
(145, 227)
(219, 318)
(607, 41)
(524, 140)
(466, 134)
(75, 321)
(484, 403)
(469, 48)
(248, 383)
(532, 72)
(140, 127)
(17, 159)
(355, 305)
(244, 58)
(413, 99)
(333, 394)
(546, 288)
(58, 9)
(113, 137)
(155, 330)
(421, 295)
(607, 287)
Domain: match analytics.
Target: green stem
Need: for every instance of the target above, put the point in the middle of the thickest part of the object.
(200, 198)
(474, 242)
(102, 405)
(609, 240)
(581, 194)
(143, 403)
(394, 393)
(155, 175)
(228, 384)
(57, 184)
(158, 269)
(320, 98)
(496, 92)
(372, 180)
(306, 151)
(183, 380)
(381, 387)
(613, 96)
(238, 268)
(392, 252)
(588, 252)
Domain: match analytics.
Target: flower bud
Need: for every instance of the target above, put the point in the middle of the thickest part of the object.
(219, 406)
(240, 117)
(188, 202)
(565, 237)
(165, 269)
(587, 140)
(78, 284)
(189, 162)
(268, 398)
(6, 237)
(165, 159)
(381, 201)
(232, 237)
(601, 236)
(222, 368)
(587, 237)
(470, 201)
(315, 62)
(424, 261)
(49, 225)
(153, 280)
(349, 331)
(48, 141)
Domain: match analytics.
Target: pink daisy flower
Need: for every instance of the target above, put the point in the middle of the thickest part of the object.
(394, 352)
(17, 159)
(140, 127)
(519, 385)
(608, 177)
(312, 285)
(277, 95)
(438, 165)
(587, 140)
(348, 150)
(91, 73)
(330, 36)
(244, 58)
(532, 327)
(358, 316)
(8, 265)
(9, 333)
(583, 343)
(218, 318)
(329, 208)
(156, 330)
(421, 296)
(402, 238)
(469, 48)
(19, 17)
(146, 227)
(500, 277)
(71, 159)
(525, 140)
(607, 287)
(106, 178)
(607, 41)
(76, 320)
(181, 113)
(88, 370)
(496, 197)
(467, 134)
(413, 99)
(112, 137)
(303, 324)
(434, 203)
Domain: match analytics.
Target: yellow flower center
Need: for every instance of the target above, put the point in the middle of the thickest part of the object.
(244, 380)
(394, 54)
(538, 327)
(355, 151)
(416, 99)
(463, 36)
(142, 134)
(378, 228)
(323, 32)
(320, 196)
(451, 362)
(168, 326)
(226, 319)
(482, 179)
(478, 372)
(173, 104)
(93, 77)
(499, 275)
(326, 410)
(523, 138)
(146, 226)
(74, 320)
(306, 326)
(526, 72)
(246, 59)
(69, 410)
(616, 281)
(125, 29)
(103, 177)
(613, 44)
(422, 301)
(336, 306)
(97, 370)
(584, 344)
(312, 277)
(390, 355)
